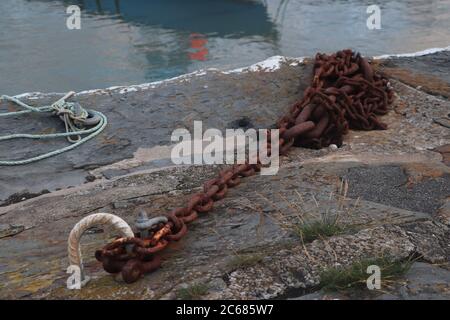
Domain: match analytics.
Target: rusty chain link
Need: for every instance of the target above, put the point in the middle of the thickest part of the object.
(345, 93)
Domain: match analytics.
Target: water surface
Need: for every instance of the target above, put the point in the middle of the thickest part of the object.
(136, 41)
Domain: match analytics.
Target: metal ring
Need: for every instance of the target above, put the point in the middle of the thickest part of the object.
(147, 224)
(92, 119)
(87, 222)
(190, 217)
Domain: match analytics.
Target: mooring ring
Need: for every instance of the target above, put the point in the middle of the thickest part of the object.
(78, 230)
(92, 119)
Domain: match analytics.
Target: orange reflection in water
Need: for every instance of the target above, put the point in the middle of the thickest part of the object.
(198, 47)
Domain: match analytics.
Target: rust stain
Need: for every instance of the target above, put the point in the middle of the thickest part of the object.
(109, 140)
(48, 131)
(417, 172)
(32, 285)
(444, 150)
(11, 108)
(428, 83)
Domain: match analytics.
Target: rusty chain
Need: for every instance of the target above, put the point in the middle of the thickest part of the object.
(345, 93)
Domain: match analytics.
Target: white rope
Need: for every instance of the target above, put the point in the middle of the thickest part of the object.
(74, 250)
(75, 119)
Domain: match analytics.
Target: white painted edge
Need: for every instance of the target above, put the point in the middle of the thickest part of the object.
(269, 65)
(413, 54)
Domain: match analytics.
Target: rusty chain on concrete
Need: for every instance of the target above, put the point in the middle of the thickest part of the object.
(345, 93)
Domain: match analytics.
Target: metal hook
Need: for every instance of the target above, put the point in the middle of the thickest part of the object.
(143, 223)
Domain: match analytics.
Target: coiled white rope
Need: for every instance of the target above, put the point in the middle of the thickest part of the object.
(75, 119)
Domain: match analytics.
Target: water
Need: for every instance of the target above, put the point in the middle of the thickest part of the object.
(124, 42)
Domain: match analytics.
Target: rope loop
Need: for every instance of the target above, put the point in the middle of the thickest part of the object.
(76, 122)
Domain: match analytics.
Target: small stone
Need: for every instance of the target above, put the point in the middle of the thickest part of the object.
(8, 230)
(90, 178)
(217, 284)
(169, 296)
(333, 147)
(120, 205)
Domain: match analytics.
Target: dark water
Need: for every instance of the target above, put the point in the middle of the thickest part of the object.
(123, 42)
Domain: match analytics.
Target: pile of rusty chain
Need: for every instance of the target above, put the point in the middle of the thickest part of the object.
(345, 93)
